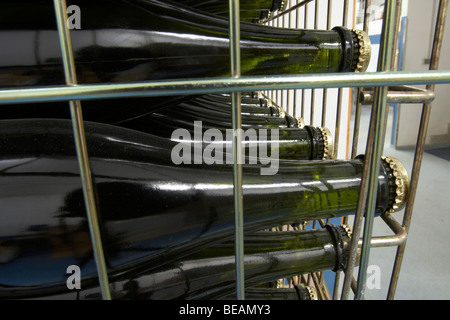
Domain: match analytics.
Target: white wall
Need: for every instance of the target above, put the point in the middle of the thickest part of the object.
(419, 37)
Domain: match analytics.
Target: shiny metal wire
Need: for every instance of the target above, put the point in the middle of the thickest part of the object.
(81, 148)
(219, 85)
(235, 59)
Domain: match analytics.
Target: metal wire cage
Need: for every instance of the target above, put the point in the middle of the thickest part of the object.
(308, 96)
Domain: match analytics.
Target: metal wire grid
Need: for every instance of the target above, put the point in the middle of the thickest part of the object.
(279, 89)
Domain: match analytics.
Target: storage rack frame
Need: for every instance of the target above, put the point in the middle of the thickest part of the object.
(277, 88)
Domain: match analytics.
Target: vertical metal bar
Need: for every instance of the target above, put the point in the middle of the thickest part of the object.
(339, 106)
(325, 90)
(337, 132)
(395, 44)
(277, 92)
(372, 160)
(235, 59)
(358, 104)
(295, 91)
(313, 91)
(305, 25)
(426, 111)
(288, 92)
(359, 215)
(80, 142)
(378, 143)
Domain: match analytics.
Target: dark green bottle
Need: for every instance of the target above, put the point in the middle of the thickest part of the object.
(210, 273)
(152, 211)
(146, 40)
(139, 40)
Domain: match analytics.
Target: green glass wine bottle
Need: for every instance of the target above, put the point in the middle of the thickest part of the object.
(138, 40)
(152, 210)
(210, 273)
(142, 40)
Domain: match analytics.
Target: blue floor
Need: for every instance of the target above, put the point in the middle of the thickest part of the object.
(443, 153)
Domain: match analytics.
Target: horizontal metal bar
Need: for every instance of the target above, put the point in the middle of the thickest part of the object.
(217, 85)
(399, 238)
(389, 241)
(400, 94)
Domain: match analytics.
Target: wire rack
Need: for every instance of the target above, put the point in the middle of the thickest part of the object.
(306, 96)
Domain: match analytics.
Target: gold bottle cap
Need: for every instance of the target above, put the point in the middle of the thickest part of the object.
(312, 293)
(401, 183)
(328, 143)
(281, 112)
(283, 5)
(347, 230)
(365, 50)
(300, 122)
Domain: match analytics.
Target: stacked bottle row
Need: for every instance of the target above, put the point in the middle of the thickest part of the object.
(163, 167)
(157, 216)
